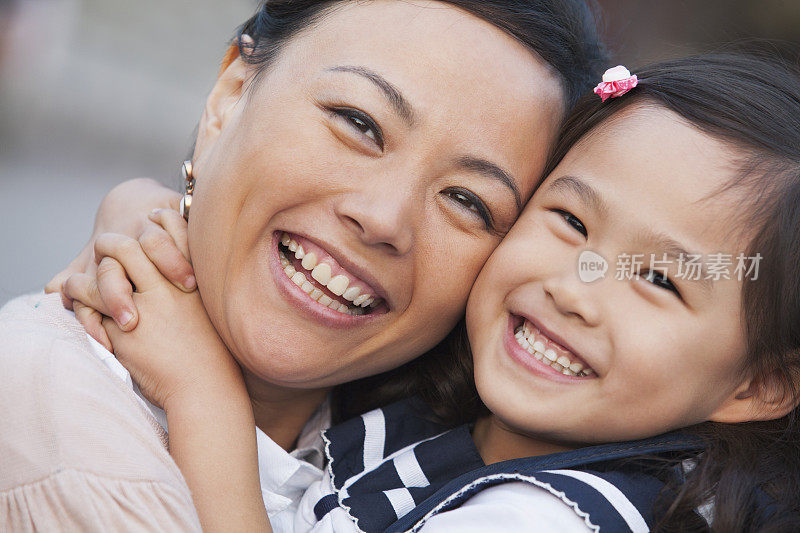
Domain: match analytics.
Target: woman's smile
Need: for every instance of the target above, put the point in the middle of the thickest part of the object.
(312, 277)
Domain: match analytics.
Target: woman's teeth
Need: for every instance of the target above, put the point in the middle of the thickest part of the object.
(536, 344)
(355, 303)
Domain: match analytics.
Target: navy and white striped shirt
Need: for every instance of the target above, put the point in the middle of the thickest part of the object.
(393, 469)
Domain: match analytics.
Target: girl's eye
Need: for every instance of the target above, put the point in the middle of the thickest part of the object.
(573, 221)
(470, 201)
(362, 122)
(660, 280)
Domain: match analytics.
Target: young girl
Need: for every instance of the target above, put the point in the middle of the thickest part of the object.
(635, 337)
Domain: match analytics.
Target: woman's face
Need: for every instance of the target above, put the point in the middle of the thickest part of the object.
(619, 356)
(395, 143)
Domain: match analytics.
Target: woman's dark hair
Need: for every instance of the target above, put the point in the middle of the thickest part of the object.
(751, 103)
(562, 32)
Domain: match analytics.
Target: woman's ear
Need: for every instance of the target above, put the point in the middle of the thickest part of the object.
(223, 98)
(766, 397)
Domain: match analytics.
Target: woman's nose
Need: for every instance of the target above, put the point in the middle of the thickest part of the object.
(381, 217)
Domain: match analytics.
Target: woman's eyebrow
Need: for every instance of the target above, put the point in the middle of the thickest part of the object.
(392, 93)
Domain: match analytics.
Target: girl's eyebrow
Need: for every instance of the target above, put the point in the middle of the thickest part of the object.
(587, 194)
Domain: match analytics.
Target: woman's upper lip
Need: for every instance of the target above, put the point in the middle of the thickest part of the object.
(345, 262)
(554, 337)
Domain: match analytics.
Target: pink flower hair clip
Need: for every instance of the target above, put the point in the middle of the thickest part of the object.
(616, 82)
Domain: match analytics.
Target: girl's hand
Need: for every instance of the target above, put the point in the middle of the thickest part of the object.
(175, 348)
(125, 210)
(164, 239)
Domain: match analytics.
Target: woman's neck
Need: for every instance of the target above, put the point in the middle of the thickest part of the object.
(281, 412)
(497, 442)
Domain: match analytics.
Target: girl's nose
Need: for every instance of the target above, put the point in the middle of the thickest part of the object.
(381, 217)
(573, 298)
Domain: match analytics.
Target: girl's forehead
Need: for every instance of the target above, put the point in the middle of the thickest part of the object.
(649, 168)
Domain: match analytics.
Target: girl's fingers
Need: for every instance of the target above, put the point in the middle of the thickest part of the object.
(92, 322)
(81, 264)
(165, 253)
(128, 252)
(82, 288)
(116, 293)
(174, 224)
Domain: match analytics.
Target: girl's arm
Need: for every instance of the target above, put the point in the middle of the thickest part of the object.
(179, 363)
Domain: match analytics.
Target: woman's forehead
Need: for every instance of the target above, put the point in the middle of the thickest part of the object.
(427, 45)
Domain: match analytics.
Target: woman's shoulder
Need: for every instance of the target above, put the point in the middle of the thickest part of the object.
(62, 408)
(77, 450)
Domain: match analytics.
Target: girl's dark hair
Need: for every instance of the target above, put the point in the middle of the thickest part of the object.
(751, 103)
(562, 32)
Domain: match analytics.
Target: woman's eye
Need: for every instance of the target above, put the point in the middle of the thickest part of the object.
(573, 221)
(465, 201)
(660, 280)
(363, 123)
(470, 201)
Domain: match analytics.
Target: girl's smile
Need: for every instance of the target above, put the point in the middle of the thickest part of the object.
(543, 355)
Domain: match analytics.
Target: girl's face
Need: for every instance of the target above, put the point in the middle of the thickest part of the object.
(395, 143)
(633, 357)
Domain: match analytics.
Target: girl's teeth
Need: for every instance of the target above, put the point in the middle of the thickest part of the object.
(530, 339)
(339, 285)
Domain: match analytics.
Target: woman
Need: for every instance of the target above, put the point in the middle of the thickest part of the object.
(403, 173)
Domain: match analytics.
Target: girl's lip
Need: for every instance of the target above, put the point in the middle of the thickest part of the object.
(308, 307)
(530, 363)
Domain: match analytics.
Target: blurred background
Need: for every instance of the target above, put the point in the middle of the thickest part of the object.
(93, 92)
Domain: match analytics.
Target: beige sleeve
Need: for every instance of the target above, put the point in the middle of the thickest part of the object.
(77, 452)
